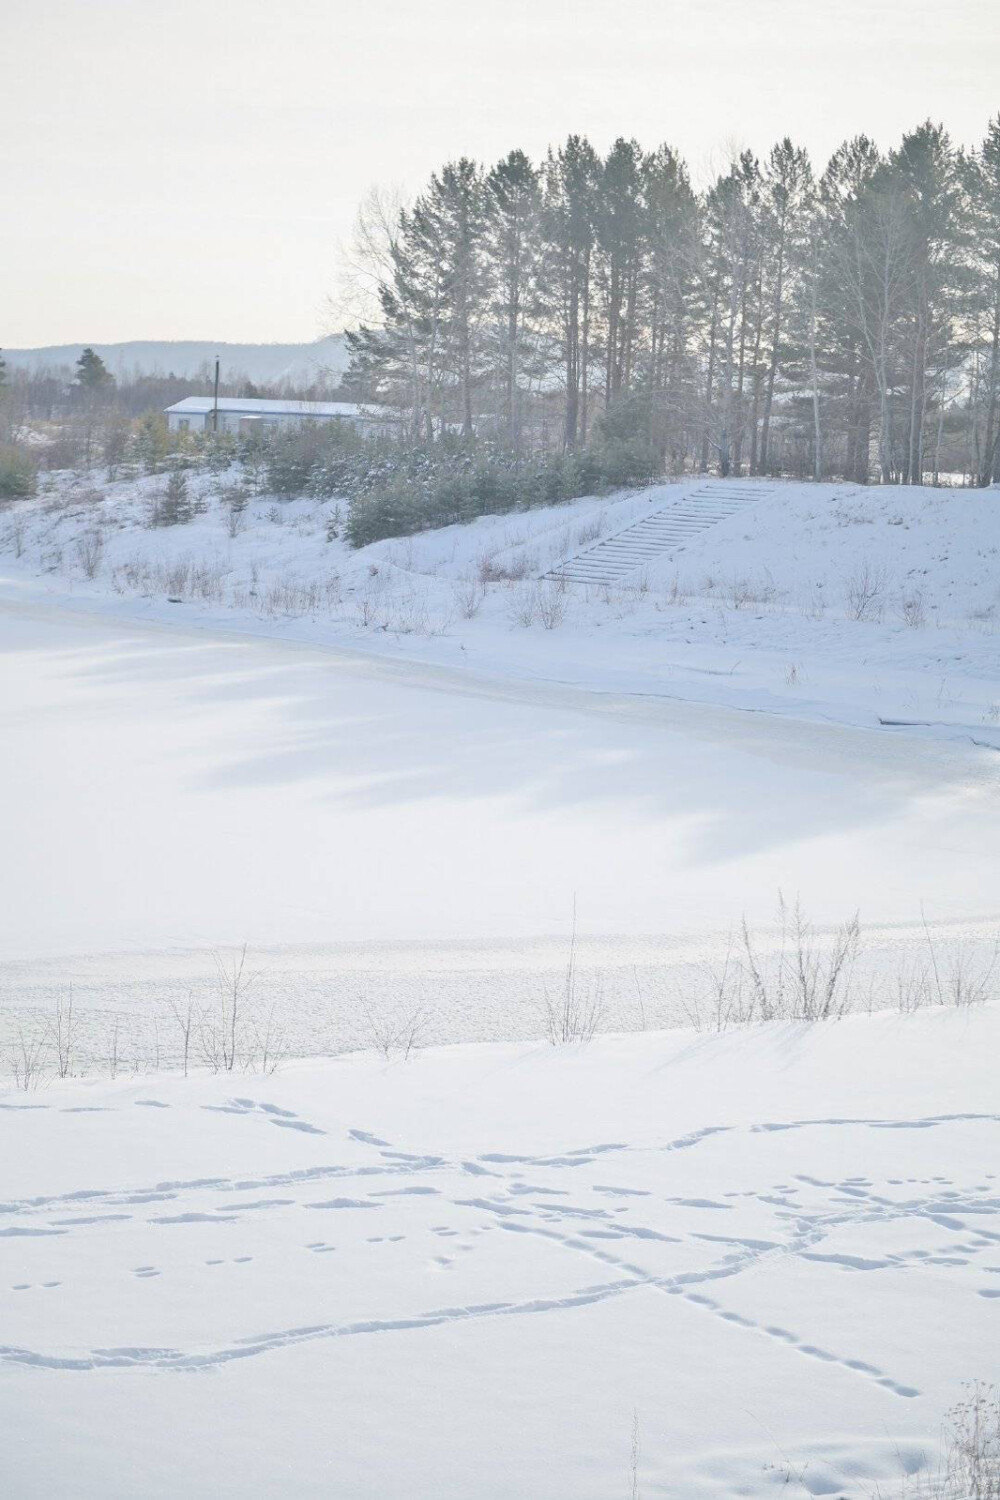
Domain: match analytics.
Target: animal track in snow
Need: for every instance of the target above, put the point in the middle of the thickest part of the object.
(628, 1231)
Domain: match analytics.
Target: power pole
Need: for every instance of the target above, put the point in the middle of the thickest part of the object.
(215, 401)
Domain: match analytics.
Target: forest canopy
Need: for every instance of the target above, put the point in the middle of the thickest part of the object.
(834, 322)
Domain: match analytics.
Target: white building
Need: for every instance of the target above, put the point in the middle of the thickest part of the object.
(239, 414)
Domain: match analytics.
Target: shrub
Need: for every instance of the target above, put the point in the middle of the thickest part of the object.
(173, 506)
(316, 459)
(415, 489)
(576, 1013)
(581, 473)
(18, 477)
(630, 463)
(622, 439)
(152, 441)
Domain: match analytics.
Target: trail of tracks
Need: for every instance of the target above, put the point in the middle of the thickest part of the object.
(631, 1232)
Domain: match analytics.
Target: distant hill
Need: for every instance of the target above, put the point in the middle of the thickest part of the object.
(300, 364)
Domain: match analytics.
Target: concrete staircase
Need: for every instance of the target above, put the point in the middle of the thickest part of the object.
(615, 559)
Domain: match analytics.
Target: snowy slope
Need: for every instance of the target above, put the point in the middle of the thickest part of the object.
(874, 607)
(459, 1278)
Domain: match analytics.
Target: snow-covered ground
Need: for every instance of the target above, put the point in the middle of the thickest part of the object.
(467, 1275)
(776, 1249)
(384, 835)
(758, 612)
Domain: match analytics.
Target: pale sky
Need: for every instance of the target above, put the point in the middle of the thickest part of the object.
(187, 168)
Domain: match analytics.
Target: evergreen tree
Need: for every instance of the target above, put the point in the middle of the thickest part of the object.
(785, 213)
(92, 375)
(398, 358)
(927, 168)
(513, 208)
(571, 179)
(735, 255)
(673, 304)
(620, 227)
(449, 230)
(772, 324)
(983, 185)
(173, 507)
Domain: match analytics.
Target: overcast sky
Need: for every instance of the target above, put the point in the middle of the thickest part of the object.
(187, 168)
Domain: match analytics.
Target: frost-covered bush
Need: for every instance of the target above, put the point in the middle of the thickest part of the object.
(449, 484)
(396, 486)
(320, 460)
(623, 447)
(391, 510)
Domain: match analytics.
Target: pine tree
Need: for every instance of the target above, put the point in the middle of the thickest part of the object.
(868, 253)
(773, 324)
(571, 180)
(92, 375)
(449, 228)
(398, 358)
(787, 190)
(983, 183)
(620, 225)
(513, 209)
(735, 254)
(673, 304)
(174, 506)
(927, 167)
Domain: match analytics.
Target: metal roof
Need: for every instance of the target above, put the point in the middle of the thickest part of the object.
(249, 407)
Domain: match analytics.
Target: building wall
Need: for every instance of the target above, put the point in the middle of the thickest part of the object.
(178, 422)
(234, 421)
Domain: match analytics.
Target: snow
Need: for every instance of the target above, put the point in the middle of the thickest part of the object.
(258, 407)
(467, 1274)
(462, 1275)
(403, 820)
(380, 833)
(755, 613)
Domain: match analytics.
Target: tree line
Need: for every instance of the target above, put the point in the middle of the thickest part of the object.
(844, 322)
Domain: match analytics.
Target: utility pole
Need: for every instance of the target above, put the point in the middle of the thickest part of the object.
(215, 401)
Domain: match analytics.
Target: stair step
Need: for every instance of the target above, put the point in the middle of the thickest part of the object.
(614, 559)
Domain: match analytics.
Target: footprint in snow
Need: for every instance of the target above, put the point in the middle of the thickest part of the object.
(343, 1203)
(367, 1137)
(15, 1232)
(407, 1192)
(193, 1218)
(93, 1219)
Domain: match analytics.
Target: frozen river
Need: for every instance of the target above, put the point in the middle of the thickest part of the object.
(385, 834)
